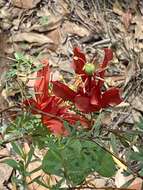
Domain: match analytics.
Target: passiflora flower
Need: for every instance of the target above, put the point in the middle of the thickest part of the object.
(51, 108)
(89, 96)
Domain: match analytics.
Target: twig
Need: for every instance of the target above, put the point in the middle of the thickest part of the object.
(101, 42)
(6, 109)
(9, 58)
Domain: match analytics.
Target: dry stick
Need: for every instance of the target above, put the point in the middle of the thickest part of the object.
(10, 116)
(49, 114)
(9, 58)
(6, 109)
(101, 42)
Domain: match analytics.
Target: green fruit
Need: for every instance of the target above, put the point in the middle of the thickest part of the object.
(89, 68)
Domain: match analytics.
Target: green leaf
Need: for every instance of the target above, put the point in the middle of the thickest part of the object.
(12, 163)
(52, 163)
(75, 145)
(107, 165)
(18, 56)
(77, 159)
(101, 161)
(18, 149)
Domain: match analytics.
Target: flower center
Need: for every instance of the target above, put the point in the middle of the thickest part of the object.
(89, 68)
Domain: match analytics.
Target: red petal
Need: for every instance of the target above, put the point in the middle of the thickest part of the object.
(111, 97)
(108, 54)
(55, 126)
(78, 61)
(83, 103)
(96, 96)
(63, 91)
(107, 57)
(41, 84)
(46, 104)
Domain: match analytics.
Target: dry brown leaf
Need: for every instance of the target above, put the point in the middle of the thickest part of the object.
(5, 173)
(25, 4)
(51, 25)
(31, 37)
(120, 179)
(72, 28)
(137, 103)
(141, 6)
(127, 18)
(137, 184)
(55, 37)
(106, 119)
(4, 152)
(130, 71)
(136, 116)
(31, 167)
(117, 8)
(138, 20)
(52, 22)
(64, 6)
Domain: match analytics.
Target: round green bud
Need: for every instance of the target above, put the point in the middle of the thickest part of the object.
(89, 68)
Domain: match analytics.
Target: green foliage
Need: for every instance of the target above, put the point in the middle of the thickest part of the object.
(12, 163)
(28, 125)
(22, 66)
(76, 159)
(18, 149)
(72, 158)
(21, 165)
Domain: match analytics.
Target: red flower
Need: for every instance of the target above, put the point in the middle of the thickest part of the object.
(89, 96)
(79, 62)
(51, 107)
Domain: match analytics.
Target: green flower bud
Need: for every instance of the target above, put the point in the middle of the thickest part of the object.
(89, 68)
